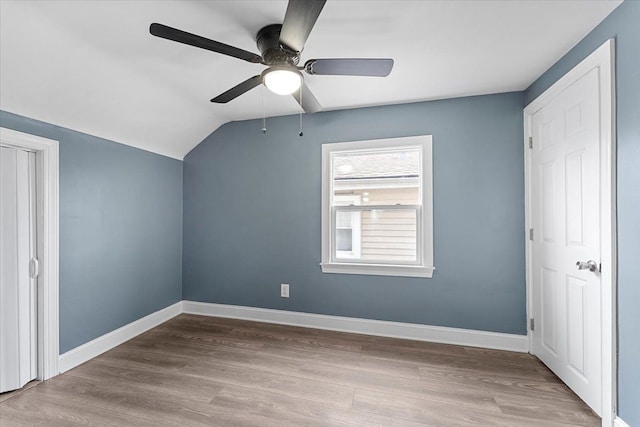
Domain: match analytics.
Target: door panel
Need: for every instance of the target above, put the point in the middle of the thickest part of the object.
(549, 290)
(575, 207)
(565, 209)
(575, 325)
(548, 188)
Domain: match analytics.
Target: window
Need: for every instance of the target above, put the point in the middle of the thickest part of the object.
(377, 207)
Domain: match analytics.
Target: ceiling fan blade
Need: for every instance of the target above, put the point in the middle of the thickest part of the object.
(180, 36)
(299, 19)
(238, 90)
(309, 103)
(375, 67)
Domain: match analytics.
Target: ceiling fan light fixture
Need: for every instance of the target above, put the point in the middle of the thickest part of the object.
(282, 80)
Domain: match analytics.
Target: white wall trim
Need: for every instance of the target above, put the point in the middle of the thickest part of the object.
(378, 269)
(411, 331)
(602, 59)
(47, 169)
(96, 347)
(619, 422)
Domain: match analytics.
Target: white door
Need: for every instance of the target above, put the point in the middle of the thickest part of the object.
(565, 216)
(18, 328)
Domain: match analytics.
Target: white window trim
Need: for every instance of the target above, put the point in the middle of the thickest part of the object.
(424, 267)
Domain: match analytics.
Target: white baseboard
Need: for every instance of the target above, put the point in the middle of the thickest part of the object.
(618, 422)
(411, 331)
(466, 337)
(96, 347)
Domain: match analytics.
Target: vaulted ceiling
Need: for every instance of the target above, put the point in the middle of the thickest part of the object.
(92, 66)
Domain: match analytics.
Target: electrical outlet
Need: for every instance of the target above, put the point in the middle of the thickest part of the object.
(284, 290)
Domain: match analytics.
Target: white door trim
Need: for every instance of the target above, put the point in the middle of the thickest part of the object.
(603, 59)
(47, 178)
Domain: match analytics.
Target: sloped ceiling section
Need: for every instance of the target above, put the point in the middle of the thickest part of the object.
(92, 66)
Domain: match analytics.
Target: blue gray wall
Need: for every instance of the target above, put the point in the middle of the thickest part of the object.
(252, 216)
(120, 231)
(624, 25)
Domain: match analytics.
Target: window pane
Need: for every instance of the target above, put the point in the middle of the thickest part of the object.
(344, 239)
(343, 219)
(382, 178)
(389, 236)
(347, 234)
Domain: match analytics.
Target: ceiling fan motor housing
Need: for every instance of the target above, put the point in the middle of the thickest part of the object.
(273, 53)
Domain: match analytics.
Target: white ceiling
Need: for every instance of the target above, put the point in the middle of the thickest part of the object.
(92, 66)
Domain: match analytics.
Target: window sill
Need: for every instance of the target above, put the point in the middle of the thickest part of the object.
(378, 269)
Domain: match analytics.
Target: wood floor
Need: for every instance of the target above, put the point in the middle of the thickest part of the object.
(204, 371)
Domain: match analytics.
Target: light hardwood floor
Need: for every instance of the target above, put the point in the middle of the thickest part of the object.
(204, 371)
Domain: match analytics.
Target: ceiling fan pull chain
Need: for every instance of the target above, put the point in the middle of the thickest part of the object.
(264, 114)
(300, 134)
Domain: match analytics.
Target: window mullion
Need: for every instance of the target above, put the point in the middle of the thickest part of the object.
(375, 207)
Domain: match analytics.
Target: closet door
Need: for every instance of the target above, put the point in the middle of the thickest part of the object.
(18, 268)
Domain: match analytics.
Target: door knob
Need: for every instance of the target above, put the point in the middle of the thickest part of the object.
(590, 265)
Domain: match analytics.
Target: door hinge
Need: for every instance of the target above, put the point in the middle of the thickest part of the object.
(531, 234)
(532, 324)
(531, 142)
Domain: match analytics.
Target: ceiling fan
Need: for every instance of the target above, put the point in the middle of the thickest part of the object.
(280, 46)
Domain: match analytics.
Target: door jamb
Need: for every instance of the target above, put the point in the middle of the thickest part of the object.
(603, 59)
(47, 175)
